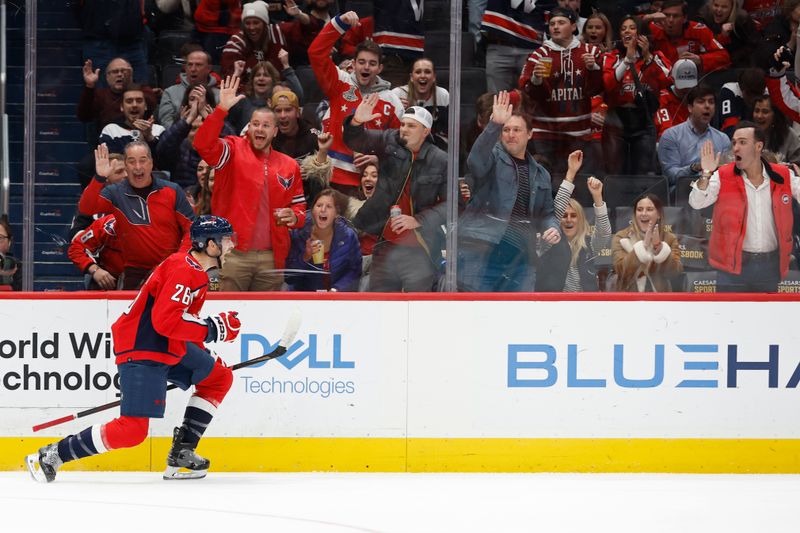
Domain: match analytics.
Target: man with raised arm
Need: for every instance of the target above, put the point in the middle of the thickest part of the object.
(408, 207)
(260, 190)
(345, 91)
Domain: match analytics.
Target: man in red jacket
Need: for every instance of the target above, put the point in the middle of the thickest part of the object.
(159, 339)
(679, 38)
(751, 238)
(152, 215)
(258, 189)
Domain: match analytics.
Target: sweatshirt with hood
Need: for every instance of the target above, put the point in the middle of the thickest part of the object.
(563, 101)
(345, 93)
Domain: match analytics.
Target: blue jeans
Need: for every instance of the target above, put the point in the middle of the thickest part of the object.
(494, 268)
(760, 273)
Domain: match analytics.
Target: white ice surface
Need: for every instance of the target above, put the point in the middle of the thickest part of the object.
(116, 502)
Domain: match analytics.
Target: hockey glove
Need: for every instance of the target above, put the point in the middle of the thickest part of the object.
(223, 327)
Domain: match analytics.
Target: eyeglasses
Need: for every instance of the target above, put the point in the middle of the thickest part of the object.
(4, 238)
(118, 71)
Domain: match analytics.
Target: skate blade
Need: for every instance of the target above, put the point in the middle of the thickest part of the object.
(175, 472)
(37, 474)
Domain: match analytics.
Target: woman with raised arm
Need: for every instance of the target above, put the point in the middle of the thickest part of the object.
(570, 265)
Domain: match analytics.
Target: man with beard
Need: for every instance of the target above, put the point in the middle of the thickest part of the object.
(133, 126)
(409, 205)
(258, 189)
(679, 147)
(294, 137)
(345, 91)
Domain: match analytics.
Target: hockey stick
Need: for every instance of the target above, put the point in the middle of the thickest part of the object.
(289, 332)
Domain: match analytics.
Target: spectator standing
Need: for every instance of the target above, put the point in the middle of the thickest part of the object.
(400, 32)
(414, 179)
(259, 40)
(512, 201)
(326, 248)
(679, 147)
(560, 78)
(152, 215)
(10, 267)
(196, 71)
(317, 169)
(751, 238)
(255, 187)
(345, 91)
(672, 109)
(133, 126)
(114, 29)
(294, 137)
(633, 76)
(646, 256)
(679, 38)
(422, 90)
(101, 105)
(781, 139)
(215, 21)
(598, 32)
(733, 28)
(512, 31)
(201, 198)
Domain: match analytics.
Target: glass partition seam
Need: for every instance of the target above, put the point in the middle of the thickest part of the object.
(29, 146)
(453, 143)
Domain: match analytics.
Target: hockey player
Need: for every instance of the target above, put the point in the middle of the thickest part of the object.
(159, 339)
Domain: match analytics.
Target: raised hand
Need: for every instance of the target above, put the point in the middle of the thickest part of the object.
(324, 141)
(90, 77)
(227, 93)
(644, 45)
(551, 236)
(350, 18)
(102, 165)
(655, 238)
(574, 163)
(596, 190)
(364, 110)
(362, 160)
(709, 160)
(238, 68)
(283, 57)
(502, 108)
(291, 8)
(145, 126)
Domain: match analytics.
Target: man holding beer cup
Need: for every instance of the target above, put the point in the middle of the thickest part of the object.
(560, 78)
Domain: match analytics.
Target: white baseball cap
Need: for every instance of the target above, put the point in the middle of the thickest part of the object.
(684, 72)
(420, 114)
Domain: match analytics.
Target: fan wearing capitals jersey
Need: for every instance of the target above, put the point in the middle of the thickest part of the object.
(345, 91)
(159, 339)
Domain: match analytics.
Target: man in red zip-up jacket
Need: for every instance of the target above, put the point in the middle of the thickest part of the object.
(152, 215)
(258, 189)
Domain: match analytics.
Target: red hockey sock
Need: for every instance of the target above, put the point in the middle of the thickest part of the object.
(124, 432)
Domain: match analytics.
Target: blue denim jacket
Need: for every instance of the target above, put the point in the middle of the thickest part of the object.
(495, 190)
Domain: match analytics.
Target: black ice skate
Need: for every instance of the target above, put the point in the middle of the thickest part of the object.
(44, 464)
(182, 456)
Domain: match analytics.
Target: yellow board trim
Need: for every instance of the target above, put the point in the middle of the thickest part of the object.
(703, 456)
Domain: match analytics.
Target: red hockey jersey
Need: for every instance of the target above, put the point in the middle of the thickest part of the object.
(672, 110)
(344, 96)
(563, 102)
(697, 39)
(622, 91)
(97, 245)
(164, 315)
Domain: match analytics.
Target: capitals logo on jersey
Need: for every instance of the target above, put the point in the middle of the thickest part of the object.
(285, 182)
